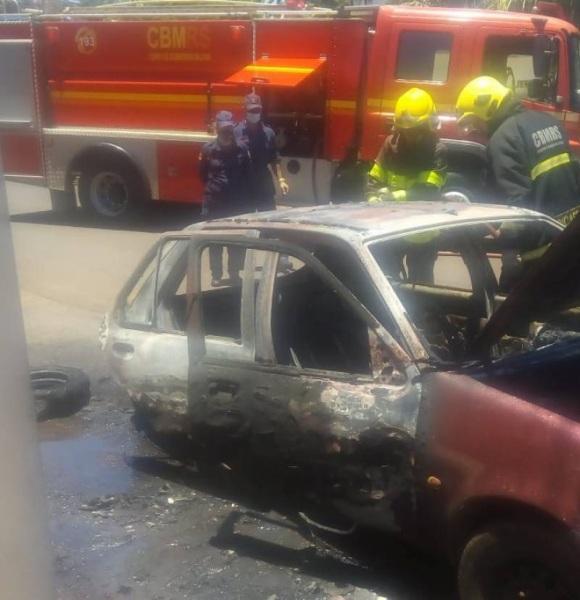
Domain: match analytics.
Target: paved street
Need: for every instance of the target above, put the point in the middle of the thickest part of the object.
(126, 521)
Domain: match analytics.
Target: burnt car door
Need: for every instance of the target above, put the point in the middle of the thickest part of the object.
(314, 387)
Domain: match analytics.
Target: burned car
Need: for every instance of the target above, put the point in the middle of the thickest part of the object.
(415, 365)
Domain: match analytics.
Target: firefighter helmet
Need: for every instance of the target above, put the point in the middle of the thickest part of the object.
(481, 98)
(415, 108)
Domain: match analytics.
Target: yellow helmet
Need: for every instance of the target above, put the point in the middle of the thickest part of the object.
(481, 98)
(415, 108)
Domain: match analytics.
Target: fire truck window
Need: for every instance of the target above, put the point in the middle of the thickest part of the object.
(510, 60)
(575, 53)
(16, 84)
(424, 56)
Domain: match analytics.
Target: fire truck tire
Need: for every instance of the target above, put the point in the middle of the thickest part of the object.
(62, 202)
(111, 189)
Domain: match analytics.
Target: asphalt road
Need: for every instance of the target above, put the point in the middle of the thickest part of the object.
(126, 521)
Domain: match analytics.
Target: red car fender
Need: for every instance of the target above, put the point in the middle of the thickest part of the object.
(483, 444)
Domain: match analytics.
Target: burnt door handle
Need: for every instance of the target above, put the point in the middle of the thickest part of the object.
(123, 350)
(223, 389)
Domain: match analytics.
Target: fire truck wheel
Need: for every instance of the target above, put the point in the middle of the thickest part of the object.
(111, 189)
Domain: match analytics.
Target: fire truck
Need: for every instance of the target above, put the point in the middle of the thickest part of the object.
(112, 104)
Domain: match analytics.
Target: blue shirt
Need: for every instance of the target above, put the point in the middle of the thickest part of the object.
(225, 171)
(261, 142)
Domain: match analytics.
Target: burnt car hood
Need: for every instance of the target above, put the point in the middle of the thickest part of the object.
(552, 285)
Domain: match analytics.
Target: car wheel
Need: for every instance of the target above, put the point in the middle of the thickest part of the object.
(111, 189)
(59, 391)
(510, 561)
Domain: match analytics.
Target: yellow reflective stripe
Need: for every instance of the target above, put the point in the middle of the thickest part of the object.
(399, 182)
(378, 173)
(432, 178)
(550, 163)
(396, 181)
(399, 195)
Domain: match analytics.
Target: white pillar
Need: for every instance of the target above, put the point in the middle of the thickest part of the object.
(25, 564)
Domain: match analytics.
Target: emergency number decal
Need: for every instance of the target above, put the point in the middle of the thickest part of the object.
(86, 39)
(179, 43)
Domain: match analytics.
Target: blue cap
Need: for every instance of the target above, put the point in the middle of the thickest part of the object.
(252, 101)
(224, 119)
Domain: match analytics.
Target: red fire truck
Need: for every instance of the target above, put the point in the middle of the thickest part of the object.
(115, 103)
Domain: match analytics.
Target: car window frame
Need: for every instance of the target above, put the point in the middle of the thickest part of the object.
(151, 256)
(531, 218)
(264, 357)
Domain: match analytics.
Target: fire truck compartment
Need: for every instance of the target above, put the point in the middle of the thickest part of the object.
(277, 72)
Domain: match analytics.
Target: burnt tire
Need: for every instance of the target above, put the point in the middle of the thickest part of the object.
(59, 391)
(111, 188)
(512, 560)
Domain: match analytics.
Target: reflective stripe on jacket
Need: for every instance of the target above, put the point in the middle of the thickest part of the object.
(408, 170)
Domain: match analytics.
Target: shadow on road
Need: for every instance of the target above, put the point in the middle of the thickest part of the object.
(155, 219)
(364, 559)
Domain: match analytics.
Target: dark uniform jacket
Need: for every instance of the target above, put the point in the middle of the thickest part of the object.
(530, 162)
(225, 172)
(261, 144)
(418, 169)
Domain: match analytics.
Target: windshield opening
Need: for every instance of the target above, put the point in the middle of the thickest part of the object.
(452, 280)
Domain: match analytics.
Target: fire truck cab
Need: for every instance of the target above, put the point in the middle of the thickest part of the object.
(112, 104)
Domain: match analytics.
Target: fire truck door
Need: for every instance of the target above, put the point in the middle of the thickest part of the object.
(509, 57)
(20, 143)
(572, 114)
(431, 56)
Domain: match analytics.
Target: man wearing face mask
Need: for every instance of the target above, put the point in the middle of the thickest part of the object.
(224, 167)
(261, 143)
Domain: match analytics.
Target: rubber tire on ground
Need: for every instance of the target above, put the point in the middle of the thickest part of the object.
(132, 180)
(502, 544)
(62, 202)
(59, 391)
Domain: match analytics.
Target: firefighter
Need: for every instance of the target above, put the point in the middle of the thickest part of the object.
(410, 166)
(528, 151)
(261, 143)
(530, 164)
(224, 167)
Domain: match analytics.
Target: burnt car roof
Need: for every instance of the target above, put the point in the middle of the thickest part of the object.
(366, 221)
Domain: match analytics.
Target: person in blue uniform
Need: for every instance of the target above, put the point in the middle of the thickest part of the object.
(225, 170)
(265, 161)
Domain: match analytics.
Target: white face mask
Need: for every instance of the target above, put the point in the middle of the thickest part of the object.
(253, 117)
